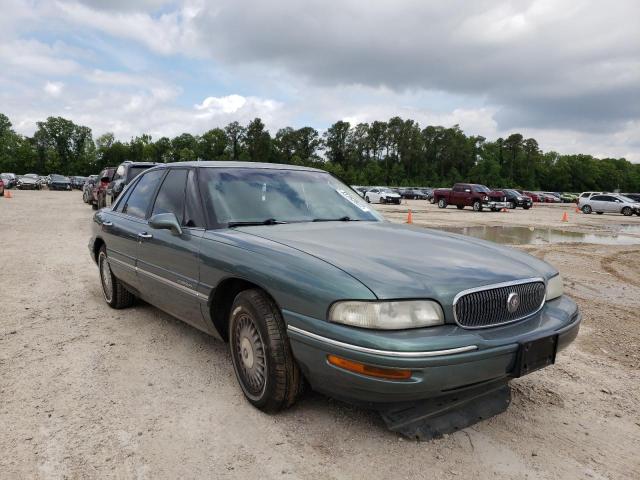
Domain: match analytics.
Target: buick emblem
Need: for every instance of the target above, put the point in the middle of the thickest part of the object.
(513, 302)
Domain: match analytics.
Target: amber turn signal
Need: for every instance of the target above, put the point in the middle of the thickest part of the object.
(369, 370)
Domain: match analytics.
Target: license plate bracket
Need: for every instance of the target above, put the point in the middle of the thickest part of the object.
(536, 354)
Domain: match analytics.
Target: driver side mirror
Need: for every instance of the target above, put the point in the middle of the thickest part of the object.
(167, 221)
(466, 190)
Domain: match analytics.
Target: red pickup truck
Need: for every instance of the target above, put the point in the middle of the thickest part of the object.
(470, 195)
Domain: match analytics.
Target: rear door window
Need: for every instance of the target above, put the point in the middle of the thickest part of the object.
(171, 194)
(140, 198)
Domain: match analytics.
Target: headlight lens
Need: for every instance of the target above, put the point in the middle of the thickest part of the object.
(396, 315)
(555, 287)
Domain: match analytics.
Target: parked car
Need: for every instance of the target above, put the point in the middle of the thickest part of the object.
(413, 194)
(586, 195)
(382, 195)
(77, 182)
(633, 196)
(552, 197)
(532, 195)
(87, 188)
(59, 182)
(470, 195)
(359, 190)
(1, 187)
(569, 198)
(516, 199)
(98, 193)
(125, 173)
(27, 183)
(305, 280)
(609, 203)
(9, 180)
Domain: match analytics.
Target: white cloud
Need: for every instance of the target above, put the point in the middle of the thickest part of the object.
(53, 89)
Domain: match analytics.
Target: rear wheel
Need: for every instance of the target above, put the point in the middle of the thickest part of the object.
(115, 293)
(262, 359)
(527, 207)
(587, 209)
(627, 212)
(477, 206)
(442, 203)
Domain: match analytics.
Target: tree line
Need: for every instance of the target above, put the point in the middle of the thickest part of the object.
(396, 152)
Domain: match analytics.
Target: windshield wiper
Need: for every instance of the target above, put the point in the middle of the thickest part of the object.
(341, 219)
(268, 221)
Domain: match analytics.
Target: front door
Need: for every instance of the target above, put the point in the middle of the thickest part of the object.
(168, 261)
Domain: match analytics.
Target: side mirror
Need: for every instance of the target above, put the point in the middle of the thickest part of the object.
(167, 221)
(467, 190)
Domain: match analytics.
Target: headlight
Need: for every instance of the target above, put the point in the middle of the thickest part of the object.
(555, 287)
(519, 198)
(396, 315)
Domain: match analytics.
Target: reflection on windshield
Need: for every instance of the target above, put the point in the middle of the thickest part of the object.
(256, 195)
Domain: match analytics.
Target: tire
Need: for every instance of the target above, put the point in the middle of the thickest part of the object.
(442, 203)
(587, 209)
(367, 199)
(261, 354)
(477, 206)
(460, 207)
(527, 207)
(94, 206)
(382, 200)
(599, 213)
(512, 205)
(114, 292)
(627, 211)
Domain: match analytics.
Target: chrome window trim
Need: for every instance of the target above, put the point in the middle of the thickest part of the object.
(491, 287)
(388, 353)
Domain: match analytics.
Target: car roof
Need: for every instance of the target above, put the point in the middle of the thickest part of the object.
(231, 164)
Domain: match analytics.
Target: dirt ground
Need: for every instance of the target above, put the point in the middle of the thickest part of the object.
(91, 392)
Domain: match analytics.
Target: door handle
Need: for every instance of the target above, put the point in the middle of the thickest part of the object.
(144, 235)
(107, 224)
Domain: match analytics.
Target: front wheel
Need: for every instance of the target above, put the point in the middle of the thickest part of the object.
(477, 206)
(527, 207)
(587, 209)
(627, 212)
(115, 293)
(262, 359)
(367, 199)
(512, 205)
(442, 203)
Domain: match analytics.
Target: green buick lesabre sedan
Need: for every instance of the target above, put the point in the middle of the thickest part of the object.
(308, 284)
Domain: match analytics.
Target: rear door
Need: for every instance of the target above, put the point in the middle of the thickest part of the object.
(168, 262)
(597, 203)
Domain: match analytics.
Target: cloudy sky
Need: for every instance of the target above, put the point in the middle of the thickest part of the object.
(566, 72)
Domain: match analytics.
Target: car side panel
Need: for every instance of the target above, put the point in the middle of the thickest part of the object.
(297, 281)
(120, 234)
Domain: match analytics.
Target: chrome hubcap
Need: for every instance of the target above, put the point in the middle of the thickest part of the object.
(249, 350)
(105, 275)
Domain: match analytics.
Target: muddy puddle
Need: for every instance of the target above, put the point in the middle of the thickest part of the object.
(540, 236)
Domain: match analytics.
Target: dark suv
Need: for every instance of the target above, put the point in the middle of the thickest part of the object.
(517, 199)
(124, 174)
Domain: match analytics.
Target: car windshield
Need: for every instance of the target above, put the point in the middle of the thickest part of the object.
(482, 188)
(59, 178)
(252, 195)
(626, 199)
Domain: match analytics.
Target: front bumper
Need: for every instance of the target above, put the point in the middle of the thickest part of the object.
(442, 359)
(498, 205)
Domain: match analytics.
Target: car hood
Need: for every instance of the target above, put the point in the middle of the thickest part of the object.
(403, 261)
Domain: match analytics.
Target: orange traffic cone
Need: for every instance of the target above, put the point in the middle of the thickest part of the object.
(565, 217)
(577, 210)
(504, 210)
(409, 217)
(7, 194)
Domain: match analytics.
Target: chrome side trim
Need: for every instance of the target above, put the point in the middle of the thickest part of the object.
(498, 285)
(166, 281)
(173, 284)
(388, 353)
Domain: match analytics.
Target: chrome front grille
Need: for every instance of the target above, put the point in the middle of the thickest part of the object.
(488, 306)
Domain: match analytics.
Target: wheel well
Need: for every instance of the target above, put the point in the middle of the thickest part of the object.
(97, 245)
(222, 300)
